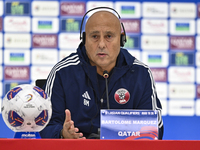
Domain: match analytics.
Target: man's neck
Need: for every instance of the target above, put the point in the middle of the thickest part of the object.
(100, 71)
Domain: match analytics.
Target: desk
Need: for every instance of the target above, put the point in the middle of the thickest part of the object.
(89, 144)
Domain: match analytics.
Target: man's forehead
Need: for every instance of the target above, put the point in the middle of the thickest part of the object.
(101, 16)
(103, 19)
(105, 32)
(106, 14)
(103, 11)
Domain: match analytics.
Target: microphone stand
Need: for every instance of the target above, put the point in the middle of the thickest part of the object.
(106, 75)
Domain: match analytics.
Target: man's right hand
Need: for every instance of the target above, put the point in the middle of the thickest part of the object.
(69, 131)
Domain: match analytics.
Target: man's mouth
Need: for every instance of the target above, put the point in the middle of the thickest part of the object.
(101, 54)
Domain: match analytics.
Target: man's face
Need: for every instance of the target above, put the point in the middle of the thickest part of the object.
(103, 40)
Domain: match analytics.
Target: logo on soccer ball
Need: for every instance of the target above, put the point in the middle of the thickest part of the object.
(122, 96)
(29, 97)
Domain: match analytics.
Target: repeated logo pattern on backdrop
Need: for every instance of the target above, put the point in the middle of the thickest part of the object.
(35, 35)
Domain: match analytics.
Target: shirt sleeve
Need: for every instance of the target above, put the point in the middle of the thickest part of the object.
(54, 90)
(150, 99)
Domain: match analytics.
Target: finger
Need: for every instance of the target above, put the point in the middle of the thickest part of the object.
(67, 115)
(81, 136)
(78, 136)
(68, 125)
(73, 130)
(74, 133)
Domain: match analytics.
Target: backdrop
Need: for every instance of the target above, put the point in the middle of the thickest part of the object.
(35, 35)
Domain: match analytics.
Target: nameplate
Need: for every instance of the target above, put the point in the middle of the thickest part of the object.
(129, 124)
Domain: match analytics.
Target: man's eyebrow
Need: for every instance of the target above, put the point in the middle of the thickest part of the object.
(109, 32)
(94, 32)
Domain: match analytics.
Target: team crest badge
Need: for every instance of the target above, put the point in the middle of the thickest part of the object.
(122, 96)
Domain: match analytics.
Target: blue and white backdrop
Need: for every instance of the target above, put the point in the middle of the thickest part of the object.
(34, 35)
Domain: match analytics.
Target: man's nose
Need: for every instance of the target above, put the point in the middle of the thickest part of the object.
(102, 43)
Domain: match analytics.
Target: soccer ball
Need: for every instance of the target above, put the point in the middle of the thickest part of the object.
(26, 108)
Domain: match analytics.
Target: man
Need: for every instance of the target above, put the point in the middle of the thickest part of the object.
(76, 84)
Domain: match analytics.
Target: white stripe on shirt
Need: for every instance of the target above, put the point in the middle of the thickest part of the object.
(153, 96)
(73, 60)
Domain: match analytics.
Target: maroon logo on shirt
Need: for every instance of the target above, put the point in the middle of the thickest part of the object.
(122, 96)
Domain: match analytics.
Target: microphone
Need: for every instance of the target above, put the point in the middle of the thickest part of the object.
(106, 75)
